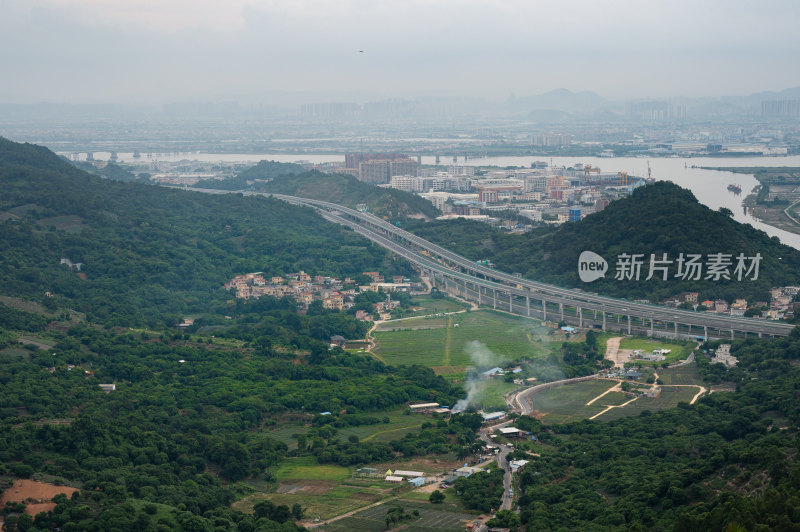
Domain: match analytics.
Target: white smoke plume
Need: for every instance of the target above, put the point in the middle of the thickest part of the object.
(482, 358)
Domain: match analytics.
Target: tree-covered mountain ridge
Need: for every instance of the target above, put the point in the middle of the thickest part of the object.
(151, 254)
(350, 192)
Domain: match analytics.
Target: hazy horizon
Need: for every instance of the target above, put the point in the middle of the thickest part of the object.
(155, 52)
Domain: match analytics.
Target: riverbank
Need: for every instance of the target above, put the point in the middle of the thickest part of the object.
(775, 216)
(774, 201)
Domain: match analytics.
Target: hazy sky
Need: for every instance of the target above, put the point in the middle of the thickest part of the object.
(154, 51)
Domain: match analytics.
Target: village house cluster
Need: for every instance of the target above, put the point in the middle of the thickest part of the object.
(335, 294)
(782, 304)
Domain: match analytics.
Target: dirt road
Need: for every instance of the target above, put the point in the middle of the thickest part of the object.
(613, 352)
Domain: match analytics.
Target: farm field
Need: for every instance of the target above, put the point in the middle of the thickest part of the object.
(568, 403)
(687, 374)
(306, 467)
(422, 305)
(321, 488)
(613, 398)
(669, 398)
(321, 500)
(399, 425)
(445, 344)
(491, 394)
(438, 518)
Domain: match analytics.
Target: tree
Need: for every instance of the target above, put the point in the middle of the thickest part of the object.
(436, 497)
(298, 511)
(505, 519)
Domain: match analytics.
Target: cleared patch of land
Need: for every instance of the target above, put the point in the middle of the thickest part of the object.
(70, 223)
(678, 351)
(306, 467)
(36, 495)
(23, 304)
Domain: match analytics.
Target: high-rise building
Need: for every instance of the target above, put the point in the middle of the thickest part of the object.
(378, 168)
(376, 172)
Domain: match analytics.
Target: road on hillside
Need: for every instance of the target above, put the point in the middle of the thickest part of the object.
(502, 461)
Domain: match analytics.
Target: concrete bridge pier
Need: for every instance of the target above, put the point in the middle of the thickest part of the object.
(629, 324)
(494, 298)
(580, 317)
(759, 334)
(652, 326)
(731, 334)
(528, 305)
(705, 333)
(510, 302)
(604, 320)
(676, 329)
(561, 310)
(544, 310)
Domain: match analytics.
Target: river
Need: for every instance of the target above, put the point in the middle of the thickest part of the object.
(709, 186)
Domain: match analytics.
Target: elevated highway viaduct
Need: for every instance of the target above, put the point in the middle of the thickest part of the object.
(524, 297)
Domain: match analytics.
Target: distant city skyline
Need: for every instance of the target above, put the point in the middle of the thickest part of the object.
(301, 51)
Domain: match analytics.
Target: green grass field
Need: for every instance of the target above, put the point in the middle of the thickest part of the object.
(399, 425)
(412, 324)
(446, 344)
(492, 394)
(307, 468)
(567, 403)
(422, 305)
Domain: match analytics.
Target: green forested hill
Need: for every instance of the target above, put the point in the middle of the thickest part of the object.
(349, 191)
(729, 459)
(244, 180)
(184, 434)
(150, 253)
(659, 218)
